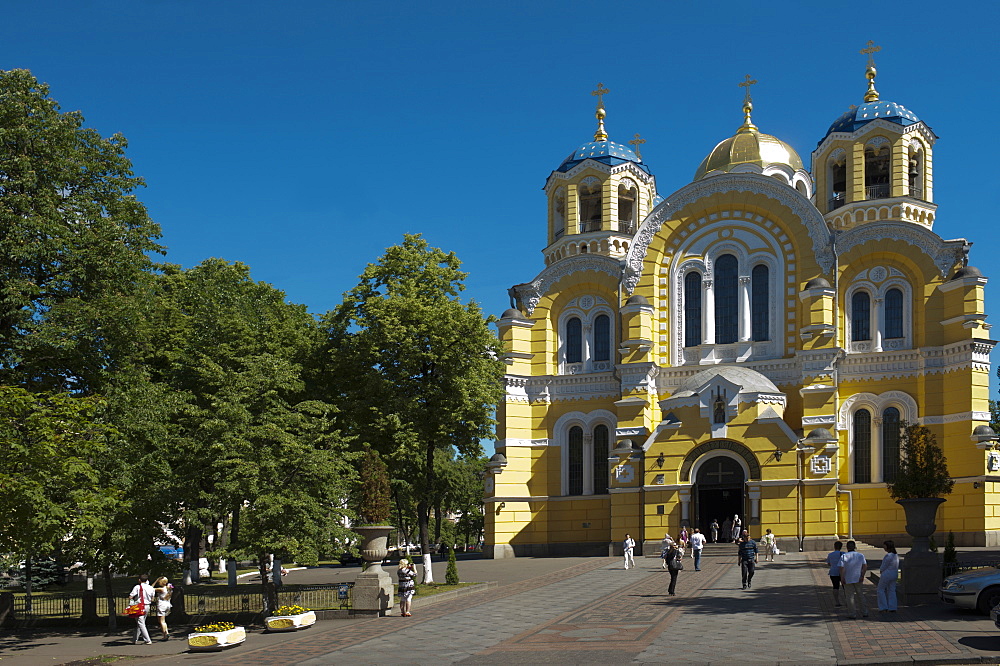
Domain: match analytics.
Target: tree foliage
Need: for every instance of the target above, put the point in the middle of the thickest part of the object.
(73, 245)
(374, 507)
(923, 468)
(414, 369)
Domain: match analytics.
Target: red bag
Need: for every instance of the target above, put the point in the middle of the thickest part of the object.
(137, 609)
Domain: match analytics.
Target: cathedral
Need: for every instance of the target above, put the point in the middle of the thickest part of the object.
(745, 346)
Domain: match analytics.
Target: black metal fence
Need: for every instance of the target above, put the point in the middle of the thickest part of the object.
(952, 568)
(224, 600)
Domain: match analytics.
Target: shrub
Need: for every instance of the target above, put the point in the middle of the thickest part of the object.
(451, 573)
(923, 469)
(374, 508)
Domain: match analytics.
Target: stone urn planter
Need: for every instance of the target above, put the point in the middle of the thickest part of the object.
(293, 622)
(213, 641)
(373, 589)
(921, 569)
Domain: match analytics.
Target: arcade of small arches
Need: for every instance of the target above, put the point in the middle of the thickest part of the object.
(878, 172)
(575, 245)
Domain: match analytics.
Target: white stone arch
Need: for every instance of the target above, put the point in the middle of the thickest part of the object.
(901, 283)
(587, 316)
(876, 405)
(587, 421)
(861, 346)
(717, 453)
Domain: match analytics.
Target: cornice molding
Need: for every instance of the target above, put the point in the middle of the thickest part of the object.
(944, 254)
(530, 293)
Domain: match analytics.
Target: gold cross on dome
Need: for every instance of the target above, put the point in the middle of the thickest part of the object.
(872, 49)
(637, 142)
(600, 93)
(746, 84)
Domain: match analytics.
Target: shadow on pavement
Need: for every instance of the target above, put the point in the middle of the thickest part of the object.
(981, 643)
(794, 605)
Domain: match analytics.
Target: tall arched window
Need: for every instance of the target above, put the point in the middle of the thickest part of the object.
(601, 460)
(838, 181)
(894, 313)
(915, 175)
(692, 309)
(726, 299)
(877, 163)
(890, 444)
(760, 310)
(861, 307)
(627, 195)
(862, 446)
(575, 460)
(559, 213)
(602, 338)
(574, 340)
(590, 206)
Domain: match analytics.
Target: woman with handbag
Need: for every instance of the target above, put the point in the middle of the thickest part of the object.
(141, 597)
(407, 574)
(164, 590)
(674, 564)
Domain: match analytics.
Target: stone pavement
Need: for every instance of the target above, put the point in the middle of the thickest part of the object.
(590, 611)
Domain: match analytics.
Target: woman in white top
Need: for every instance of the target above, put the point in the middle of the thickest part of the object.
(164, 590)
(888, 574)
(769, 542)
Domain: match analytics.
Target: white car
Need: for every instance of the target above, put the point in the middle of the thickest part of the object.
(973, 589)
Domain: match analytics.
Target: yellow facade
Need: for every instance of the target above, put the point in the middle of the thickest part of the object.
(746, 345)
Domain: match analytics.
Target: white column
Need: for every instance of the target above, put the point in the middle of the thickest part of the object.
(754, 494)
(685, 495)
(744, 308)
(588, 463)
(877, 325)
(588, 345)
(708, 313)
(876, 448)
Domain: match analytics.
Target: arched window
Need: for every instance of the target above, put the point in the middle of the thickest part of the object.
(862, 446)
(601, 460)
(861, 306)
(602, 338)
(590, 206)
(890, 444)
(894, 313)
(915, 175)
(692, 309)
(838, 180)
(726, 299)
(574, 340)
(877, 163)
(627, 196)
(575, 460)
(760, 310)
(559, 213)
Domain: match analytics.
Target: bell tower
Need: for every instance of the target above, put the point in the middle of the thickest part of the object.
(598, 195)
(874, 164)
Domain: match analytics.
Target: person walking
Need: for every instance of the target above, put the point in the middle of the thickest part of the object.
(675, 563)
(888, 574)
(747, 557)
(853, 568)
(833, 560)
(163, 591)
(697, 543)
(407, 574)
(684, 537)
(628, 546)
(713, 530)
(142, 594)
(727, 530)
(737, 528)
(770, 543)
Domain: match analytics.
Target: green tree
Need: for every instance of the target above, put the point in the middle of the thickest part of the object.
(74, 246)
(248, 443)
(49, 488)
(412, 367)
(451, 573)
(923, 468)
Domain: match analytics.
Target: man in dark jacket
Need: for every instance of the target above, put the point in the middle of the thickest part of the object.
(747, 557)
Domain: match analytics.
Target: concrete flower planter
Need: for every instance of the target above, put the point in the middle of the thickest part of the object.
(290, 622)
(211, 641)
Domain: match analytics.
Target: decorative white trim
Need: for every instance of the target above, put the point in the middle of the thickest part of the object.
(525, 443)
(531, 292)
(809, 422)
(954, 418)
(534, 499)
(744, 182)
(944, 254)
(587, 422)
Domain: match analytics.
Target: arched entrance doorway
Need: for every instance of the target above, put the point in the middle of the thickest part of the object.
(719, 489)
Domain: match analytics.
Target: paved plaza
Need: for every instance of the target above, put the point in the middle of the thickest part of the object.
(591, 611)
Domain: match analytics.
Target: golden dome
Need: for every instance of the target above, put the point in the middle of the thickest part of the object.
(749, 147)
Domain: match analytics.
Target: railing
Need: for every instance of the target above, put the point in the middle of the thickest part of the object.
(836, 201)
(952, 568)
(916, 192)
(880, 191)
(626, 227)
(590, 225)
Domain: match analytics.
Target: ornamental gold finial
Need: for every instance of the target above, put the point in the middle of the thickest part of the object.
(600, 134)
(871, 95)
(747, 105)
(637, 142)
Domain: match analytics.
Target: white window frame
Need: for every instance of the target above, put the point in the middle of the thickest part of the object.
(587, 319)
(587, 422)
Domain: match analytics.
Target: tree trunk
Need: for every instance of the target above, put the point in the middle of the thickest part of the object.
(437, 522)
(109, 594)
(27, 584)
(192, 552)
(423, 509)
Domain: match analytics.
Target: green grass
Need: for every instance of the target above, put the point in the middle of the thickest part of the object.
(424, 590)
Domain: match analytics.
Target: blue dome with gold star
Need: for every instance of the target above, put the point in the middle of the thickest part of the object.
(859, 116)
(605, 152)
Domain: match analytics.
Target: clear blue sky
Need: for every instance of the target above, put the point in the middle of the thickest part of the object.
(302, 138)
